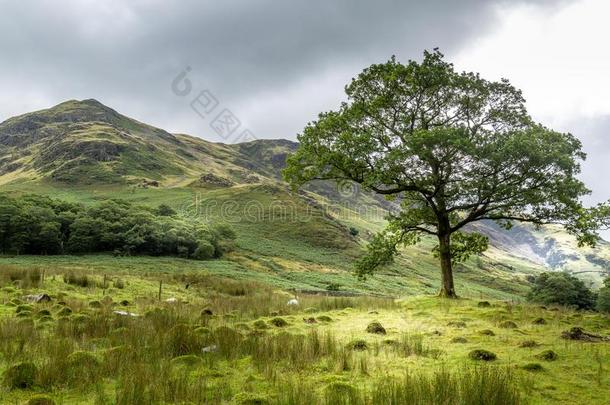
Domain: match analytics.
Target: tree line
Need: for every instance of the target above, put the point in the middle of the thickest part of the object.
(39, 225)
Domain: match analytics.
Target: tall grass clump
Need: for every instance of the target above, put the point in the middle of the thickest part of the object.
(24, 278)
(472, 386)
(414, 345)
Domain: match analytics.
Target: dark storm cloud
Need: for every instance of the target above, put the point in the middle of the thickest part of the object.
(274, 63)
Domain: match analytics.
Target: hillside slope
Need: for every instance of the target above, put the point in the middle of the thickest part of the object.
(85, 151)
(85, 142)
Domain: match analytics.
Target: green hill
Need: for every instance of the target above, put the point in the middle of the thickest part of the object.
(85, 151)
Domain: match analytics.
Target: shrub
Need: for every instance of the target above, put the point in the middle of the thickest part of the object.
(535, 367)
(353, 231)
(339, 392)
(260, 324)
(528, 343)
(333, 287)
(165, 210)
(376, 328)
(83, 366)
(547, 355)
(603, 297)
(65, 311)
(95, 304)
(20, 376)
(24, 308)
(205, 250)
(562, 289)
(508, 325)
(43, 312)
(484, 304)
(481, 354)
(358, 344)
(278, 322)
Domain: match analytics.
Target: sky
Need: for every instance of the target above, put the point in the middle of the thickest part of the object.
(274, 65)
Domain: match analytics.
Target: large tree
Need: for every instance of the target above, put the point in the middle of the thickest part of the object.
(452, 148)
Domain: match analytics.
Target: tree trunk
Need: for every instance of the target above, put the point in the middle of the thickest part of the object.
(447, 288)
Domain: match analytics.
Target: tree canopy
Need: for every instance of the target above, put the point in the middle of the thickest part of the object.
(562, 289)
(40, 225)
(452, 148)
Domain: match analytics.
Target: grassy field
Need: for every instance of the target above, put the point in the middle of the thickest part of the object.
(221, 331)
(106, 337)
(286, 243)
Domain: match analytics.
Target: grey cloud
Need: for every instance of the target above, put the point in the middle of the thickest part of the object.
(248, 53)
(593, 132)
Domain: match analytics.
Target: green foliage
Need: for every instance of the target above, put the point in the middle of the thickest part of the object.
(205, 250)
(40, 225)
(547, 355)
(534, 367)
(165, 210)
(358, 344)
(482, 354)
(381, 250)
(528, 343)
(21, 375)
(476, 386)
(278, 322)
(455, 148)
(539, 321)
(508, 325)
(603, 297)
(464, 245)
(376, 328)
(562, 289)
(248, 398)
(82, 365)
(339, 392)
(40, 400)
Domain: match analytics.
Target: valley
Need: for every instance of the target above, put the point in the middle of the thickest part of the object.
(138, 329)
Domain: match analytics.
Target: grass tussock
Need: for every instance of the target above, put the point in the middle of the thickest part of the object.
(228, 341)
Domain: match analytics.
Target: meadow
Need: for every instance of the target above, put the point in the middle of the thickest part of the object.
(144, 337)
